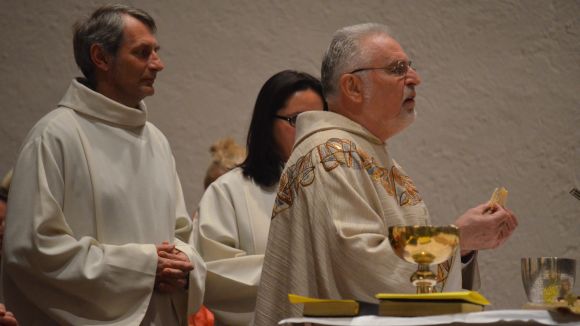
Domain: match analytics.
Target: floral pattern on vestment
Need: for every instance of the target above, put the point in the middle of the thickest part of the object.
(337, 152)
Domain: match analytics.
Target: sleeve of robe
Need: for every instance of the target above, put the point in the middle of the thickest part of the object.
(470, 274)
(68, 278)
(232, 273)
(184, 243)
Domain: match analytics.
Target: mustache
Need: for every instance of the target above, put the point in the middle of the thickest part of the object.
(409, 93)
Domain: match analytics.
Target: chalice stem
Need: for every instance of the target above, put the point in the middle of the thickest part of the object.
(424, 279)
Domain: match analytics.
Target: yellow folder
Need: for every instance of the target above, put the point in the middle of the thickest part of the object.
(467, 296)
(325, 307)
(429, 304)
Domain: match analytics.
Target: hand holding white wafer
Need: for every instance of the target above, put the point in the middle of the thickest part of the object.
(499, 197)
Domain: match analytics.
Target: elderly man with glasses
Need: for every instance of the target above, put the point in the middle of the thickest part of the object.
(341, 190)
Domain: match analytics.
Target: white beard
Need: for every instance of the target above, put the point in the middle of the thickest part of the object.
(405, 116)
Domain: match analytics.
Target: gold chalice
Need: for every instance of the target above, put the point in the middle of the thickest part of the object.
(424, 245)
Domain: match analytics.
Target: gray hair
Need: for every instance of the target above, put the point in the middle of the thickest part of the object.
(104, 27)
(344, 53)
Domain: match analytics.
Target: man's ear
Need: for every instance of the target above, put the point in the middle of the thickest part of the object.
(101, 59)
(351, 87)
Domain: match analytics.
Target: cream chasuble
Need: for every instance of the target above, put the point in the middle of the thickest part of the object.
(94, 189)
(339, 193)
(234, 217)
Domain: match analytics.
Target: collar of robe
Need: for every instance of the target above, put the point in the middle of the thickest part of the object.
(311, 122)
(86, 101)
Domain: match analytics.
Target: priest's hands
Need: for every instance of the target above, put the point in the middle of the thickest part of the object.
(6, 317)
(483, 227)
(173, 268)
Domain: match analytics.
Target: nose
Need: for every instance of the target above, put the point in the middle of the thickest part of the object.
(155, 62)
(412, 77)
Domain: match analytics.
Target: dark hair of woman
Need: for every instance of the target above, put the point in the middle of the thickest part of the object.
(263, 163)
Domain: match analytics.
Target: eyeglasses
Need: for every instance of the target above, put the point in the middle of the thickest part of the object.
(291, 120)
(397, 68)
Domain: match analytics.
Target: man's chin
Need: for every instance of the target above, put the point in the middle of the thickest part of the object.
(407, 118)
(147, 91)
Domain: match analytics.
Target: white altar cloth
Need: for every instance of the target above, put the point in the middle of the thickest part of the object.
(519, 317)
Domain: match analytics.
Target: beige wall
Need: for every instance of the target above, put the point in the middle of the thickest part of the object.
(499, 103)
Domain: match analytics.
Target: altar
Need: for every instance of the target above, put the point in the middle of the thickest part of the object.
(492, 317)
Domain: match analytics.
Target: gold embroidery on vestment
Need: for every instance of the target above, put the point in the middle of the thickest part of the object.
(300, 173)
(337, 152)
(404, 186)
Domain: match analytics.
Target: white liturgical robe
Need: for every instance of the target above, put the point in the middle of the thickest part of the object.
(338, 194)
(94, 190)
(234, 217)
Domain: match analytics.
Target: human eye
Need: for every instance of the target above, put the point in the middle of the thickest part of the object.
(142, 52)
(292, 120)
(399, 68)
(145, 53)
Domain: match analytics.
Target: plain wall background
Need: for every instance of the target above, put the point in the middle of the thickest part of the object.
(499, 103)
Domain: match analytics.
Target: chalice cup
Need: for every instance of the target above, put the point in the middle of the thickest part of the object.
(424, 246)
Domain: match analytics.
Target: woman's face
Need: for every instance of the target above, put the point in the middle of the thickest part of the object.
(284, 132)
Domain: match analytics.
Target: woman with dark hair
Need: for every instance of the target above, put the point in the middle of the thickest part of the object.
(234, 212)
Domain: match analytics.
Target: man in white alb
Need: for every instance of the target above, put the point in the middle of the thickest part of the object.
(97, 229)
